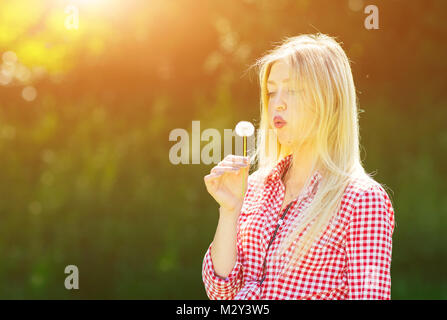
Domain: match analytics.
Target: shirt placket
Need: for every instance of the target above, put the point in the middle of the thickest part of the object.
(274, 232)
(284, 258)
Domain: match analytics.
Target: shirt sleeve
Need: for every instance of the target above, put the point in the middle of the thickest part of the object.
(369, 246)
(216, 287)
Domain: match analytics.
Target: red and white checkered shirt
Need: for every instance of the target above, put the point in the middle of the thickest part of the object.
(351, 260)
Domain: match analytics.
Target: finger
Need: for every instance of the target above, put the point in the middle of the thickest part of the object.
(221, 168)
(236, 159)
(212, 177)
(232, 164)
(226, 170)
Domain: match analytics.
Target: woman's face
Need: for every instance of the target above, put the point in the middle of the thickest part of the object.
(280, 93)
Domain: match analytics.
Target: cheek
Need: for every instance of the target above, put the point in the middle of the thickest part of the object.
(270, 116)
(269, 111)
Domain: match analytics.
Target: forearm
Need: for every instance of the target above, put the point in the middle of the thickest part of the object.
(223, 250)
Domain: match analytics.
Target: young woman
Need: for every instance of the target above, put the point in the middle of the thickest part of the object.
(310, 223)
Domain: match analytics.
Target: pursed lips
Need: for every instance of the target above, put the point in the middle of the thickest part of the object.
(279, 122)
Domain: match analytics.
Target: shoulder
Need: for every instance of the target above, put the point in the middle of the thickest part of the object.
(365, 198)
(360, 187)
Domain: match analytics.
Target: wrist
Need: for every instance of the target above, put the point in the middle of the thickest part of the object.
(229, 213)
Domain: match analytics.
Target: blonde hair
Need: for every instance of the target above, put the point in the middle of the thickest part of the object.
(321, 75)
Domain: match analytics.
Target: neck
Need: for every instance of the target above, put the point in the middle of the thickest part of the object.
(299, 170)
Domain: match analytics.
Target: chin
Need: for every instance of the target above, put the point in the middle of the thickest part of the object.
(287, 143)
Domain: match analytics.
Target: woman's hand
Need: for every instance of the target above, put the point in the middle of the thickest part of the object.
(227, 182)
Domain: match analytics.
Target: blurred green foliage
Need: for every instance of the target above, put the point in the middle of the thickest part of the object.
(85, 176)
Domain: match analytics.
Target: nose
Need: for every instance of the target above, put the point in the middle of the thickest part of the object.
(279, 101)
(280, 106)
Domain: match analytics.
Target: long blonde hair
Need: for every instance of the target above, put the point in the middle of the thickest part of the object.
(321, 75)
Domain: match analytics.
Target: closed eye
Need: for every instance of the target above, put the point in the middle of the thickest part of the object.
(288, 91)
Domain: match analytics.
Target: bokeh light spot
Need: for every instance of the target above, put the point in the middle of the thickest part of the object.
(9, 57)
(29, 93)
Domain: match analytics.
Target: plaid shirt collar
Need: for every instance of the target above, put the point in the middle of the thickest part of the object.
(277, 172)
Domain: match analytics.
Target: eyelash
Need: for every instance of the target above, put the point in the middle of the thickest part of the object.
(289, 91)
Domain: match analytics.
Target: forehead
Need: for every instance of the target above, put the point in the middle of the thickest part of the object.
(279, 73)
